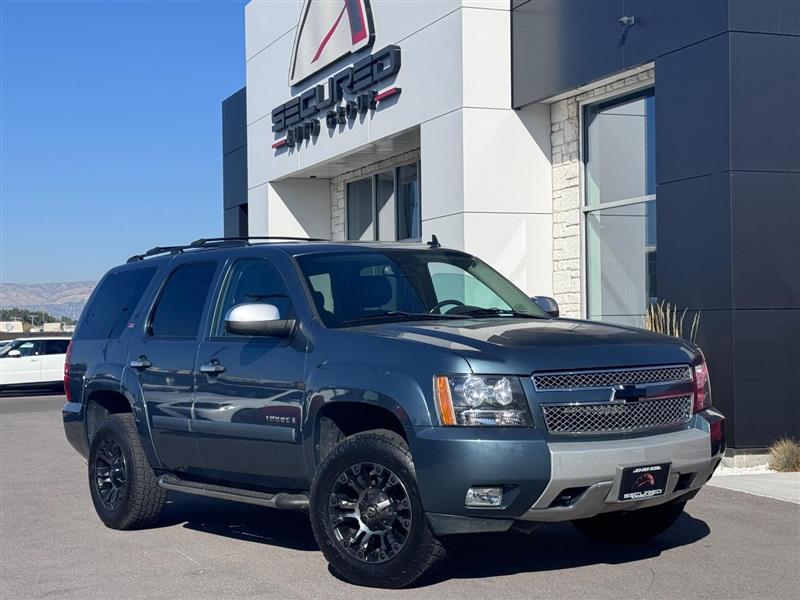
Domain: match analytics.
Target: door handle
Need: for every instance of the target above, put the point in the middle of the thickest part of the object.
(140, 363)
(212, 368)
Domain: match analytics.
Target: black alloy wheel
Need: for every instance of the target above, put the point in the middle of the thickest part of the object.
(370, 512)
(122, 484)
(367, 512)
(110, 473)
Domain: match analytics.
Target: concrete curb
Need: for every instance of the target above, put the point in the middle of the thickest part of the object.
(778, 486)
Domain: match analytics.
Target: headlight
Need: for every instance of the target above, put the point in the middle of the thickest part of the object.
(479, 400)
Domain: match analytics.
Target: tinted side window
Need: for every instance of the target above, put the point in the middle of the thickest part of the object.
(253, 281)
(56, 346)
(180, 307)
(114, 303)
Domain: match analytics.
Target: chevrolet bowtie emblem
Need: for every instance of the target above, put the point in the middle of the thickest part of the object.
(620, 394)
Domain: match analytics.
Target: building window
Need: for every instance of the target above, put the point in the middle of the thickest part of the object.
(620, 207)
(385, 206)
(360, 217)
(409, 207)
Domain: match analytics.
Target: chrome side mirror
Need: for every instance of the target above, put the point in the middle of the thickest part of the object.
(257, 320)
(547, 304)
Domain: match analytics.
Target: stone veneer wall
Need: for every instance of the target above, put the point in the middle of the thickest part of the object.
(338, 186)
(565, 140)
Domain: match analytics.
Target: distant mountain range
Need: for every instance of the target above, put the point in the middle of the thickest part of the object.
(59, 299)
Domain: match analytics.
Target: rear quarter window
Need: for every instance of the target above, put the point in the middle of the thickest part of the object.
(179, 308)
(55, 346)
(114, 303)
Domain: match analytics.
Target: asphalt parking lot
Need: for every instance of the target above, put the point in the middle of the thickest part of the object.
(728, 545)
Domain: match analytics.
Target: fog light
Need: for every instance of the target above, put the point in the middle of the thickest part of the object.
(484, 496)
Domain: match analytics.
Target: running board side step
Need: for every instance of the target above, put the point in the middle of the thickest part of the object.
(281, 500)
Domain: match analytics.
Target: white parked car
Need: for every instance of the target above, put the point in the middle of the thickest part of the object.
(33, 361)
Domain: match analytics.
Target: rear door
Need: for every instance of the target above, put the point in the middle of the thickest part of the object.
(53, 354)
(163, 355)
(24, 368)
(247, 409)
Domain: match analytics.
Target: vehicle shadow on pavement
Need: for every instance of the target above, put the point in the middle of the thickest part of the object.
(551, 547)
(286, 529)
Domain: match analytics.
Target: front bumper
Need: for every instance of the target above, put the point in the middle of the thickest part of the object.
(549, 481)
(598, 466)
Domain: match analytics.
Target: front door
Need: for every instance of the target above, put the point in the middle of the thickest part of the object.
(163, 358)
(249, 392)
(24, 365)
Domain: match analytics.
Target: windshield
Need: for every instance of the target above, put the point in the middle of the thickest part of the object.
(351, 288)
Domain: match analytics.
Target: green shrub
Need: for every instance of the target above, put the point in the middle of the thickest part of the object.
(784, 455)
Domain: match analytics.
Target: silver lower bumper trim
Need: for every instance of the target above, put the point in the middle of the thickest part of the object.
(598, 466)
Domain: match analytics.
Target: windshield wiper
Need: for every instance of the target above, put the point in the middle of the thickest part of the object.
(395, 314)
(490, 312)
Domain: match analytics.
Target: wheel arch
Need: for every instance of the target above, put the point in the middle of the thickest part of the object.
(359, 397)
(351, 417)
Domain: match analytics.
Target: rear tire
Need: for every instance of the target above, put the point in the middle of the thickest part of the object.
(123, 486)
(367, 514)
(632, 526)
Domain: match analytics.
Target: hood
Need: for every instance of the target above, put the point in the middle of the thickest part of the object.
(522, 346)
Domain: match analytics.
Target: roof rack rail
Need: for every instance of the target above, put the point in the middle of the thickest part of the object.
(202, 242)
(217, 242)
(157, 250)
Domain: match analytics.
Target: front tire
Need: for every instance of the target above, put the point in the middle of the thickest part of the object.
(632, 526)
(367, 514)
(124, 489)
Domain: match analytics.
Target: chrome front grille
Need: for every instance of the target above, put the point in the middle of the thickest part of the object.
(610, 377)
(612, 417)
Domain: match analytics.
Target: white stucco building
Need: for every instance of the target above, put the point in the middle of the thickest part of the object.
(446, 156)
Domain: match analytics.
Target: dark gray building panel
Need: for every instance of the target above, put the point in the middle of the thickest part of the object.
(765, 16)
(235, 221)
(234, 183)
(234, 164)
(694, 242)
(663, 26)
(767, 355)
(234, 121)
(765, 102)
(559, 45)
(766, 248)
(692, 122)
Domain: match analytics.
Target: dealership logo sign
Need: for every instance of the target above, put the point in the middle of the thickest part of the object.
(327, 32)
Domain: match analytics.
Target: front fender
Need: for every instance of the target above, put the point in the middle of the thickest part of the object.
(391, 389)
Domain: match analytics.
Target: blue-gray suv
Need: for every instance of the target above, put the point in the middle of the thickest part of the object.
(399, 393)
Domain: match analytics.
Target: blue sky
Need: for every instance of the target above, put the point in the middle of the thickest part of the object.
(110, 130)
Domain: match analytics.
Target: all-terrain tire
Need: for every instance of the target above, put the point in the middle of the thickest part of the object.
(632, 526)
(138, 500)
(421, 552)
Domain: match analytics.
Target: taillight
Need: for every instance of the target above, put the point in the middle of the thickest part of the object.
(702, 387)
(67, 363)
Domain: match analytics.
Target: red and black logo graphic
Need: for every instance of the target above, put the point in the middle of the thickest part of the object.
(640, 483)
(327, 31)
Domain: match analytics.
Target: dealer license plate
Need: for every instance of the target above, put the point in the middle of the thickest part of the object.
(640, 483)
